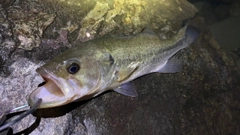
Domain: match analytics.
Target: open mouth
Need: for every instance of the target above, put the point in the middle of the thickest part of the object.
(50, 93)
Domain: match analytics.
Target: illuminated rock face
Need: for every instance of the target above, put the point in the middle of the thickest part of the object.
(101, 17)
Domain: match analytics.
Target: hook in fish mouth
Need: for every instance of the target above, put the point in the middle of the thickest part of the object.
(52, 92)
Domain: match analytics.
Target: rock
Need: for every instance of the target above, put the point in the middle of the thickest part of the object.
(222, 11)
(7, 42)
(201, 99)
(227, 33)
(206, 11)
(215, 11)
(27, 28)
(97, 18)
(6, 3)
(235, 8)
(237, 51)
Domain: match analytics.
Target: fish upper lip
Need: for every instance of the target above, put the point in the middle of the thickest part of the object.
(48, 76)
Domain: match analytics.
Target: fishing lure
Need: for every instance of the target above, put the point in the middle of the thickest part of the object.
(6, 122)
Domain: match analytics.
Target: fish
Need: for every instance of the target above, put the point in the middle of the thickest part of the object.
(109, 63)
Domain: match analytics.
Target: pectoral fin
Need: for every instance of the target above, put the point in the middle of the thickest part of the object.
(123, 74)
(127, 89)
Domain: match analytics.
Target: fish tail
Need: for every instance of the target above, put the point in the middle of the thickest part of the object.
(191, 34)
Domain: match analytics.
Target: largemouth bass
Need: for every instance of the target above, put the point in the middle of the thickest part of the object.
(108, 63)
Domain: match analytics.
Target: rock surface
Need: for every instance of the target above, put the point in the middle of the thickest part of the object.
(202, 99)
(227, 33)
(223, 19)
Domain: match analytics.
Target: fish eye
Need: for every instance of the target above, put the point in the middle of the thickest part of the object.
(73, 68)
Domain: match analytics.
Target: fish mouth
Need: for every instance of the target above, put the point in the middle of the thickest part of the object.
(53, 93)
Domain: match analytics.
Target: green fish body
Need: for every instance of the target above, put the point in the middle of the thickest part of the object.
(108, 63)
